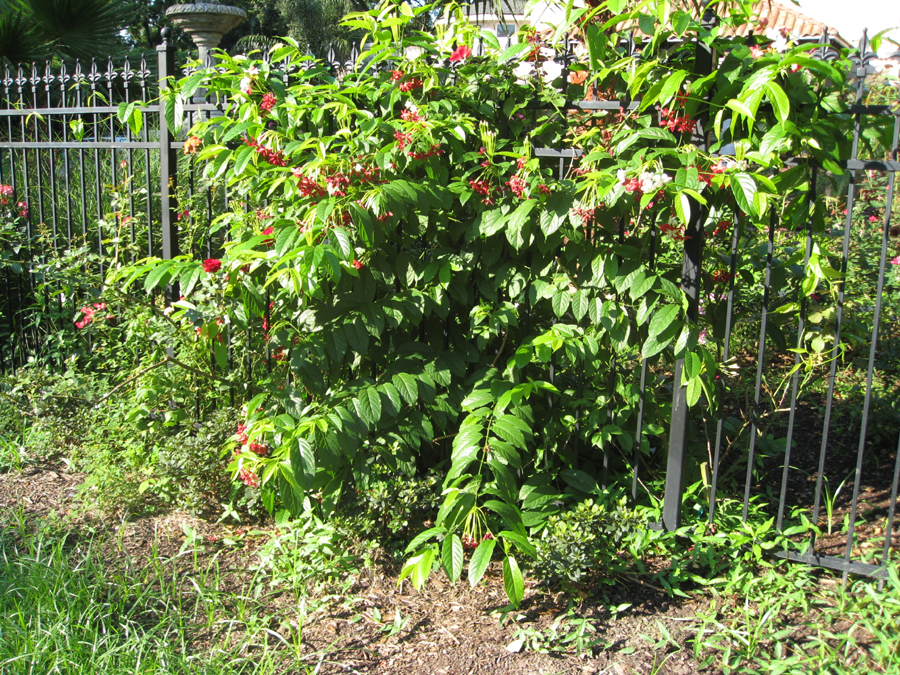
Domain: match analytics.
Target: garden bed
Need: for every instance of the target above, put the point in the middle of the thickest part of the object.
(364, 622)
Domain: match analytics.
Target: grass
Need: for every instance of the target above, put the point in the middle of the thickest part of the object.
(64, 610)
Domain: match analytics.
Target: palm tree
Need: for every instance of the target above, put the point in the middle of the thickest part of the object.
(32, 30)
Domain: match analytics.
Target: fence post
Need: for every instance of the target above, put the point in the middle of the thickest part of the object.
(168, 156)
(690, 284)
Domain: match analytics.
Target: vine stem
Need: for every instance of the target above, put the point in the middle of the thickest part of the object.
(158, 364)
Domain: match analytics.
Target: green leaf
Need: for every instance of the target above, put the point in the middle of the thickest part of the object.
(159, 276)
(662, 320)
(694, 388)
(481, 558)
(779, 101)
(419, 567)
(560, 302)
(513, 581)
(580, 303)
(671, 86)
(407, 386)
(368, 406)
(519, 540)
(744, 188)
(422, 537)
(579, 480)
(452, 557)
(512, 52)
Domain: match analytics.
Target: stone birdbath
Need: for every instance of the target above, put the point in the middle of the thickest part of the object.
(206, 23)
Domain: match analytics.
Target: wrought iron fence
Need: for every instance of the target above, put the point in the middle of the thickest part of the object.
(62, 141)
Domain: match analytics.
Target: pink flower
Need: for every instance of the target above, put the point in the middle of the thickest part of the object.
(756, 52)
(409, 85)
(268, 102)
(460, 54)
(270, 240)
(88, 316)
(873, 218)
(249, 478)
(212, 265)
(896, 261)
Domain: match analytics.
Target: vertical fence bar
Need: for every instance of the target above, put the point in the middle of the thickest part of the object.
(839, 305)
(801, 327)
(726, 355)
(168, 157)
(760, 361)
(690, 285)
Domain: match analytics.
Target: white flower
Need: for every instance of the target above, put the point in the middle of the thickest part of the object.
(253, 71)
(651, 182)
(246, 86)
(168, 310)
(409, 105)
(621, 175)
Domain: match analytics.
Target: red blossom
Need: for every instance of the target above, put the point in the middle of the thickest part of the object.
(517, 186)
(249, 478)
(268, 102)
(403, 139)
(461, 53)
(396, 75)
(358, 265)
(409, 85)
(411, 116)
(212, 265)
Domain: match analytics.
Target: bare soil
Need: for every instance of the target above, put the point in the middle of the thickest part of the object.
(451, 629)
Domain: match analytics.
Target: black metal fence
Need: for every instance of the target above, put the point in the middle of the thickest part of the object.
(63, 146)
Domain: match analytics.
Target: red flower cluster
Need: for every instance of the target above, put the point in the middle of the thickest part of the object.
(403, 139)
(411, 116)
(358, 265)
(273, 157)
(212, 265)
(384, 216)
(242, 434)
(268, 102)
(396, 75)
(722, 228)
(671, 120)
(517, 186)
(676, 233)
(409, 85)
(544, 190)
(721, 276)
(433, 151)
(270, 240)
(366, 174)
(587, 215)
(461, 53)
(483, 188)
(337, 182)
(89, 312)
(249, 478)
(633, 185)
(470, 542)
(308, 187)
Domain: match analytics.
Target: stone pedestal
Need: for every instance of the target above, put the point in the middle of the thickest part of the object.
(206, 23)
